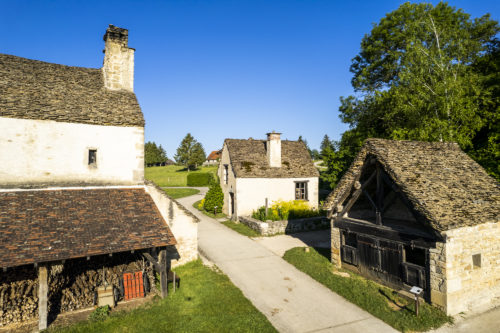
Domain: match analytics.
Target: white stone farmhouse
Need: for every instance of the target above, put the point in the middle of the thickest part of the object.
(253, 171)
(423, 214)
(74, 205)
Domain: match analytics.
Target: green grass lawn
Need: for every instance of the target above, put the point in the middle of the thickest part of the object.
(380, 301)
(206, 302)
(177, 193)
(173, 175)
(210, 214)
(241, 228)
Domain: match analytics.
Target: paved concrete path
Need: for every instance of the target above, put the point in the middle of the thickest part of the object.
(290, 299)
(282, 243)
(488, 321)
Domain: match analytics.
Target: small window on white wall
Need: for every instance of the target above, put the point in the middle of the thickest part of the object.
(301, 191)
(226, 173)
(93, 157)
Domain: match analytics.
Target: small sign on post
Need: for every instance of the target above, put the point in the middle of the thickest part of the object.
(416, 291)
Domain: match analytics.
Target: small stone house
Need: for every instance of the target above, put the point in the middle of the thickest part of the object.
(213, 158)
(423, 214)
(253, 171)
(75, 212)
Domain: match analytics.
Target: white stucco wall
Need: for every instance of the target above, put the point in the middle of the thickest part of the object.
(48, 152)
(183, 225)
(251, 193)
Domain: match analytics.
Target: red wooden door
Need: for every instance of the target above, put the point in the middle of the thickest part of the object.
(133, 285)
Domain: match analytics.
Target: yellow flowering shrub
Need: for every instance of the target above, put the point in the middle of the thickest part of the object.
(286, 210)
(201, 204)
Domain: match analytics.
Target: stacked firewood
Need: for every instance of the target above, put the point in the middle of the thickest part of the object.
(72, 285)
(18, 298)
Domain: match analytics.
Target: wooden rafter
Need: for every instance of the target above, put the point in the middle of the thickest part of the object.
(357, 193)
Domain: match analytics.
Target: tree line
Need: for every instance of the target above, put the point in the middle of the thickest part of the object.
(428, 73)
(189, 154)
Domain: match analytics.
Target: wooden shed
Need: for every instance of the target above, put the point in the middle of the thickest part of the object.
(410, 213)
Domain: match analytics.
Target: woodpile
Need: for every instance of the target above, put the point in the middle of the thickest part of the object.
(72, 285)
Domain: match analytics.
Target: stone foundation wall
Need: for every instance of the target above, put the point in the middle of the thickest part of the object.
(286, 226)
(336, 244)
(470, 287)
(71, 285)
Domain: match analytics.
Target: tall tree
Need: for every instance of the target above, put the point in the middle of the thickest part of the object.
(300, 139)
(190, 153)
(326, 145)
(414, 79)
(198, 155)
(154, 154)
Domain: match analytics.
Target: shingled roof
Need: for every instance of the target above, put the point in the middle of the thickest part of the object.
(249, 159)
(443, 184)
(48, 225)
(31, 89)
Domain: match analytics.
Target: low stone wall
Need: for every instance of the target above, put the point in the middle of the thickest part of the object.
(71, 285)
(269, 228)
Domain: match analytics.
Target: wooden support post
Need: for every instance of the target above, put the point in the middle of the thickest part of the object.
(174, 281)
(43, 291)
(161, 267)
(379, 196)
(163, 273)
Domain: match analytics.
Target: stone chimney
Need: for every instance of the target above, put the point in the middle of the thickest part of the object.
(273, 147)
(118, 66)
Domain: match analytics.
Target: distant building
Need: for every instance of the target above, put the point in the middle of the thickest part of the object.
(213, 158)
(252, 171)
(73, 202)
(424, 214)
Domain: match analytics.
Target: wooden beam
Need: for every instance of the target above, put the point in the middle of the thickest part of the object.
(379, 195)
(43, 291)
(370, 199)
(163, 274)
(152, 260)
(383, 232)
(356, 194)
(161, 267)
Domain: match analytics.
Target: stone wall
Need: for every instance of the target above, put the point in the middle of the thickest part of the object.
(71, 285)
(472, 286)
(45, 152)
(336, 244)
(183, 224)
(286, 226)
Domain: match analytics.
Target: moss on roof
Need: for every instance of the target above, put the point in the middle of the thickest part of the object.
(249, 159)
(443, 184)
(31, 89)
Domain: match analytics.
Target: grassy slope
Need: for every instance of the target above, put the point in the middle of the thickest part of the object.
(242, 229)
(367, 294)
(206, 302)
(177, 193)
(173, 175)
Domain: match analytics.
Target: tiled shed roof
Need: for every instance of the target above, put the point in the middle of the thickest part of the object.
(47, 225)
(249, 159)
(31, 89)
(443, 184)
(214, 155)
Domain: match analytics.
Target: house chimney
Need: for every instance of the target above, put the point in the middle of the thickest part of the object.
(118, 66)
(274, 149)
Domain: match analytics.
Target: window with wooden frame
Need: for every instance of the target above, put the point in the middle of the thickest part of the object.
(301, 191)
(226, 173)
(93, 157)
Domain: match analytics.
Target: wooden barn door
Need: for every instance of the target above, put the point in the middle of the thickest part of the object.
(379, 259)
(133, 285)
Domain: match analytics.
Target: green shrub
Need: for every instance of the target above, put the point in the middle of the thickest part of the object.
(287, 210)
(100, 313)
(199, 179)
(214, 198)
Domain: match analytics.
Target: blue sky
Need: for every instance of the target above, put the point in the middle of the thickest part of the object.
(216, 69)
